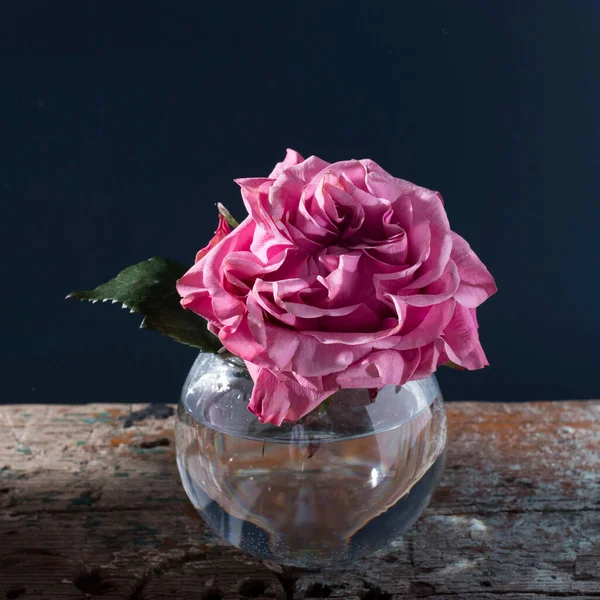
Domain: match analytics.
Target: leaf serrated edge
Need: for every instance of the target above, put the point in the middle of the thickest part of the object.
(75, 295)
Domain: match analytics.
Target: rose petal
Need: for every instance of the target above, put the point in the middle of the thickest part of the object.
(443, 288)
(380, 368)
(291, 158)
(432, 356)
(353, 170)
(304, 354)
(222, 230)
(424, 324)
(275, 401)
(240, 340)
(462, 340)
(476, 283)
(383, 185)
(303, 172)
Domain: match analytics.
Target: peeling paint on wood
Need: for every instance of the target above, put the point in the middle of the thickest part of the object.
(89, 508)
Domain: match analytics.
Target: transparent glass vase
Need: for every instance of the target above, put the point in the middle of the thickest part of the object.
(345, 481)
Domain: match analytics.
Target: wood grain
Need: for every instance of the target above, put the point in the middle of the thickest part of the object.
(90, 508)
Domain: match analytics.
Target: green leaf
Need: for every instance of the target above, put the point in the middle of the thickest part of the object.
(148, 288)
(453, 365)
(227, 216)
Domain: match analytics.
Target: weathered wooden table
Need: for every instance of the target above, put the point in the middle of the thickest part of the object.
(91, 506)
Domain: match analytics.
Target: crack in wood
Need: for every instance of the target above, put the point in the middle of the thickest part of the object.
(374, 592)
(163, 565)
(154, 411)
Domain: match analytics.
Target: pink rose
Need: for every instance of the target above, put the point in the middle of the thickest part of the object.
(342, 276)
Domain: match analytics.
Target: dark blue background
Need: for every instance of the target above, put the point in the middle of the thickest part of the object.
(124, 124)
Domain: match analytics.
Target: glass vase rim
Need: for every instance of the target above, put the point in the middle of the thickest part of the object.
(414, 397)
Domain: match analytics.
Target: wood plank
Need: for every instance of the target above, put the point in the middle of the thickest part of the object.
(88, 506)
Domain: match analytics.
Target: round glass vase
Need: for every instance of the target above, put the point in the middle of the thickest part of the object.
(344, 481)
